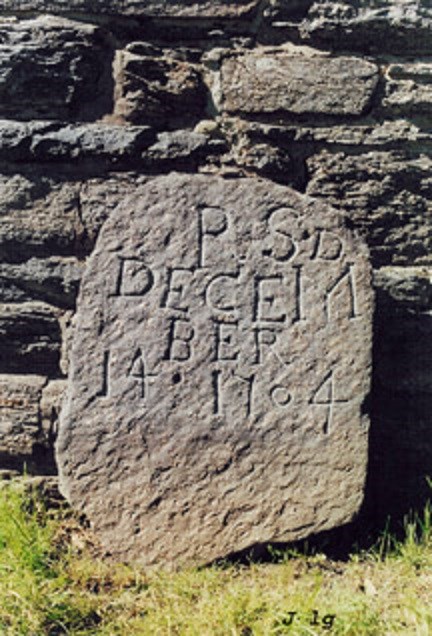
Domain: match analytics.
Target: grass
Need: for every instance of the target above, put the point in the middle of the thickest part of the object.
(52, 583)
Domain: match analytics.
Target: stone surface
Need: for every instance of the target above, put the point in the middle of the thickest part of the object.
(20, 423)
(156, 89)
(44, 213)
(39, 216)
(387, 194)
(29, 339)
(397, 26)
(219, 372)
(50, 407)
(294, 81)
(409, 88)
(111, 143)
(160, 8)
(54, 280)
(52, 68)
(53, 141)
(182, 149)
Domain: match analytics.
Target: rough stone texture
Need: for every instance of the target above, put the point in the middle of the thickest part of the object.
(29, 339)
(54, 280)
(157, 90)
(50, 408)
(269, 81)
(221, 361)
(52, 68)
(409, 88)
(370, 25)
(20, 423)
(182, 149)
(386, 193)
(46, 213)
(162, 8)
(60, 178)
(52, 141)
(39, 216)
(401, 452)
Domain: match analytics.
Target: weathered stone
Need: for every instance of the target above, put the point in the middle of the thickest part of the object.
(219, 370)
(404, 330)
(99, 197)
(54, 280)
(29, 339)
(404, 289)
(287, 9)
(39, 216)
(53, 141)
(20, 425)
(52, 68)
(201, 9)
(45, 214)
(160, 91)
(401, 449)
(373, 135)
(113, 144)
(182, 149)
(387, 194)
(296, 82)
(409, 88)
(50, 407)
(370, 25)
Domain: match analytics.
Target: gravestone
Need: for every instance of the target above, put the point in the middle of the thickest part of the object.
(219, 372)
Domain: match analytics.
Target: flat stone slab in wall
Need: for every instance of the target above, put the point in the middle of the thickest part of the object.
(157, 8)
(275, 80)
(219, 372)
(53, 68)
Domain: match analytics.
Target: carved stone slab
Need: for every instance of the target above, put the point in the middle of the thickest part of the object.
(219, 372)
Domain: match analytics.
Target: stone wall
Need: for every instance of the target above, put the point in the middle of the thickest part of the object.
(331, 98)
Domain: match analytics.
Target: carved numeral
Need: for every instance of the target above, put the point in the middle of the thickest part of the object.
(105, 380)
(324, 396)
(137, 370)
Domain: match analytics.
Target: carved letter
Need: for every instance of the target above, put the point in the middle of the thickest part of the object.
(225, 334)
(178, 279)
(267, 304)
(216, 392)
(264, 337)
(328, 246)
(211, 223)
(284, 248)
(249, 394)
(105, 384)
(137, 370)
(344, 283)
(180, 336)
(134, 278)
(221, 293)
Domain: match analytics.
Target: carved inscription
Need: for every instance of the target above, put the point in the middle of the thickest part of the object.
(250, 315)
(221, 360)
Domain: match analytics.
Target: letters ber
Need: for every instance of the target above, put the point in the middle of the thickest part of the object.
(219, 372)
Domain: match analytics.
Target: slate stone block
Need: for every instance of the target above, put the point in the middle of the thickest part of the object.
(52, 68)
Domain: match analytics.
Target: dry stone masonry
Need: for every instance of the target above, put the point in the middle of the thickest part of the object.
(219, 371)
(98, 99)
